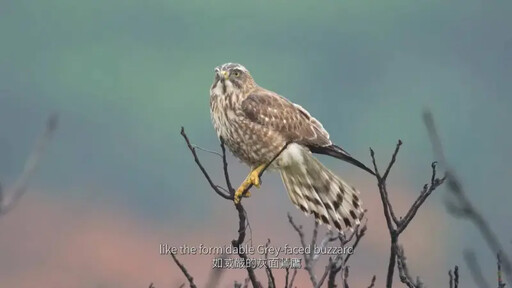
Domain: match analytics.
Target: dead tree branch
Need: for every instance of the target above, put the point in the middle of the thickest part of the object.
(242, 223)
(474, 269)
(345, 278)
(403, 270)
(456, 277)
(501, 284)
(461, 206)
(397, 226)
(268, 270)
(10, 197)
(190, 279)
(340, 262)
(337, 263)
(309, 260)
(293, 278)
(372, 283)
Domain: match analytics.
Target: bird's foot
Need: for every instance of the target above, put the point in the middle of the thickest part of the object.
(252, 179)
(240, 192)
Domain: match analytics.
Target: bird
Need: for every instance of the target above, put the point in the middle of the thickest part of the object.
(261, 127)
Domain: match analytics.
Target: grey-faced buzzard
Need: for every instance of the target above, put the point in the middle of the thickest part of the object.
(256, 124)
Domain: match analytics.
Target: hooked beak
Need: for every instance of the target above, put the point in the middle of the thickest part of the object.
(224, 74)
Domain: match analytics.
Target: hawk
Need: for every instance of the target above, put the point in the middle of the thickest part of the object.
(256, 124)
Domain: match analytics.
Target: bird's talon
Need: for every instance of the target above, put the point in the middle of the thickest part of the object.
(247, 194)
(255, 179)
(236, 199)
(240, 193)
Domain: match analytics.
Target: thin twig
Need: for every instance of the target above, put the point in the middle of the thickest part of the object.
(403, 270)
(308, 261)
(293, 278)
(456, 277)
(345, 278)
(427, 190)
(240, 240)
(225, 168)
(451, 278)
(203, 170)
(184, 271)
(207, 151)
(359, 232)
(333, 268)
(19, 188)
(474, 269)
(270, 275)
(501, 284)
(372, 283)
(286, 278)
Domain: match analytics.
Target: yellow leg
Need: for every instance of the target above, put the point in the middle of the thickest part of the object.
(252, 179)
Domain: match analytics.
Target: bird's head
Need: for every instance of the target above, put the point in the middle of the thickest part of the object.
(232, 77)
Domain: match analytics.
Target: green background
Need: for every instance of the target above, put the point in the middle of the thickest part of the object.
(125, 75)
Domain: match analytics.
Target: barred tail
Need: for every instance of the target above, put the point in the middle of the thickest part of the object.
(314, 189)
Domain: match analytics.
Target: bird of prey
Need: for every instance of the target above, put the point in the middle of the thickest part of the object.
(256, 124)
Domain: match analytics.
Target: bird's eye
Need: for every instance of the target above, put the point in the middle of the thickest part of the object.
(236, 73)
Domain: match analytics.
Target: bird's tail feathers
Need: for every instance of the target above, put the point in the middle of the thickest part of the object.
(314, 189)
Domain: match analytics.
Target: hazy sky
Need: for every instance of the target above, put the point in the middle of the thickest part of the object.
(125, 75)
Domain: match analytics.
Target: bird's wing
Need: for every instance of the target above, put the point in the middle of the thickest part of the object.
(279, 114)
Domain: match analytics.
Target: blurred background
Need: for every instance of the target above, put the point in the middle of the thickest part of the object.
(117, 179)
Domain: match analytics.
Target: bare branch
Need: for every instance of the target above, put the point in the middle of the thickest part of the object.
(403, 271)
(359, 232)
(238, 243)
(372, 283)
(242, 219)
(338, 263)
(474, 268)
(427, 190)
(205, 174)
(207, 151)
(501, 284)
(463, 207)
(225, 167)
(13, 194)
(393, 160)
(381, 182)
(308, 259)
(293, 278)
(397, 226)
(345, 278)
(190, 279)
(270, 275)
(286, 277)
(451, 278)
(456, 277)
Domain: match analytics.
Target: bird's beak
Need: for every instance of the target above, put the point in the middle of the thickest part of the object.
(224, 74)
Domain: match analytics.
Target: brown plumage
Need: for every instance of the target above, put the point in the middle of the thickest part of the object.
(256, 124)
